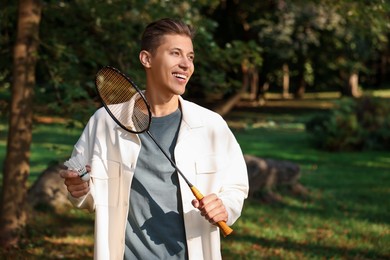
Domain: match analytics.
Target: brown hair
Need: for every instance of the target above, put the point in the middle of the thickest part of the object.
(151, 38)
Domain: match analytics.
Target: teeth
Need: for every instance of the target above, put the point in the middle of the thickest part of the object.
(181, 76)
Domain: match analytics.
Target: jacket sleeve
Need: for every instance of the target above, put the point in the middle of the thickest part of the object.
(84, 146)
(206, 137)
(235, 184)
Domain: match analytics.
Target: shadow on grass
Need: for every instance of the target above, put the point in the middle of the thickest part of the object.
(50, 235)
(309, 248)
(313, 227)
(371, 210)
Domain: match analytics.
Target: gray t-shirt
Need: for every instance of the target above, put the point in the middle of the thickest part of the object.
(155, 226)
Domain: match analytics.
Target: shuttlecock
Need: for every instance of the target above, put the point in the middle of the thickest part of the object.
(78, 163)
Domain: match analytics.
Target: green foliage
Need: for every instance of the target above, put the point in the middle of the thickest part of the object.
(225, 64)
(332, 37)
(317, 39)
(90, 36)
(78, 37)
(356, 124)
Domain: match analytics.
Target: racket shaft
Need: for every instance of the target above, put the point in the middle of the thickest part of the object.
(225, 229)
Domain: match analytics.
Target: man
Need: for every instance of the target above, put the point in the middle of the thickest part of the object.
(143, 209)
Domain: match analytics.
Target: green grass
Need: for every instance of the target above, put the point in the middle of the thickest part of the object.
(52, 143)
(345, 216)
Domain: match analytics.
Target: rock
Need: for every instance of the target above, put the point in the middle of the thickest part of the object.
(266, 175)
(49, 191)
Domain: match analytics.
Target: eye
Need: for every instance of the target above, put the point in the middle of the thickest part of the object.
(191, 57)
(176, 53)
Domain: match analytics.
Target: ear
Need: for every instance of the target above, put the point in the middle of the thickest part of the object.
(145, 57)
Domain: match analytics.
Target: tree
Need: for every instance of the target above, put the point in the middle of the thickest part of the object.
(17, 162)
(365, 36)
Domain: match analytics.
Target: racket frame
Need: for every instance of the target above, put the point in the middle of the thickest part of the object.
(138, 91)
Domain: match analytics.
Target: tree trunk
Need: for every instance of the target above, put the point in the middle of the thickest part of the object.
(263, 84)
(254, 83)
(261, 91)
(353, 85)
(300, 79)
(301, 89)
(286, 81)
(245, 75)
(227, 105)
(383, 70)
(17, 162)
(249, 78)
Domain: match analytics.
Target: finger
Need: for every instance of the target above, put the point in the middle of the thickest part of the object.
(195, 203)
(78, 194)
(72, 186)
(78, 190)
(75, 182)
(208, 199)
(213, 209)
(68, 174)
(216, 215)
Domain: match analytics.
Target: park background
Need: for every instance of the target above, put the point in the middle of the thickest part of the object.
(302, 81)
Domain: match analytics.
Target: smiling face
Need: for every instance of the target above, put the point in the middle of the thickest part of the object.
(170, 67)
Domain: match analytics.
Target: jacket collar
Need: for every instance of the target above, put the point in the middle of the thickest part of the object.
(191, 117)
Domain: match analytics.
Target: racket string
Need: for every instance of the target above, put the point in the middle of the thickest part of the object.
(123, 100)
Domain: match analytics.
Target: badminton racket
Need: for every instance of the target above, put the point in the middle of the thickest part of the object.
(128, 107)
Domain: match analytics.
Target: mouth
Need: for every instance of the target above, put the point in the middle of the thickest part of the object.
(180, 76)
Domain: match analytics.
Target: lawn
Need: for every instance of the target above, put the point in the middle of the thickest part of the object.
(345, 216)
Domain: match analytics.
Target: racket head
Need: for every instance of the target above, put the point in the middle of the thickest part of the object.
(123, 100)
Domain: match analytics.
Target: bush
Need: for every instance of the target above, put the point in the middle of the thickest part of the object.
(356, 124)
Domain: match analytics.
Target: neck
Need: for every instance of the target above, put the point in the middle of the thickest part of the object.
(162, 106)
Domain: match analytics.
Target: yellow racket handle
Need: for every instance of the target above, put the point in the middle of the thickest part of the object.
(225, 229)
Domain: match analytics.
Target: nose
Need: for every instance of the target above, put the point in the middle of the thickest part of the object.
(185, 63)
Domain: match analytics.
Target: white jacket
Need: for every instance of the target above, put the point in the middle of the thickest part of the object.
(206, 152)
